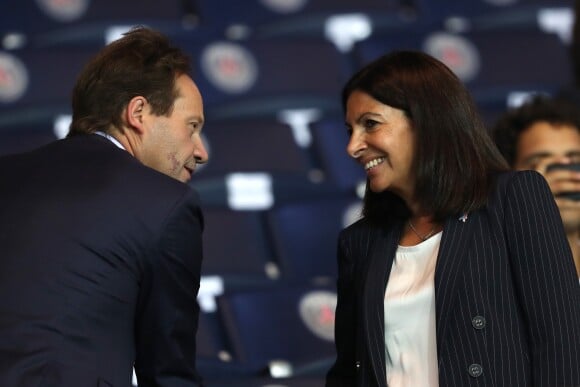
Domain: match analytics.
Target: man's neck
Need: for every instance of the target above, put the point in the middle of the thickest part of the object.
(122, 139)
(574, 241)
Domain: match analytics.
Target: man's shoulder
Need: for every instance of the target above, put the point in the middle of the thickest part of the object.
(115, 161)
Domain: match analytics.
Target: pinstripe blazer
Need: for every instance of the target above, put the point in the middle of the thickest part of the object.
(507, 296)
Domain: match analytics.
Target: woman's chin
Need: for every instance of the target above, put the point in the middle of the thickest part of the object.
(377, 188)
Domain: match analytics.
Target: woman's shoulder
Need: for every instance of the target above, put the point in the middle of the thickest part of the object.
(362, 225)
(527, 185)
(364, 229)
(524, 178)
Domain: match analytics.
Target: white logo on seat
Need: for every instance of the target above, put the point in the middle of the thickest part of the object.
(285, 6)
(317, 310)
(13, 78)
(64, 10)
(229, 67)
(458, 53)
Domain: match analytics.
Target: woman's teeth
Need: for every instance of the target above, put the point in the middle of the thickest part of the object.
(374, 163)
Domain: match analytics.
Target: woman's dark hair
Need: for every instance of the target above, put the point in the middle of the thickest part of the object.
(510, 126)
(455, 160)
(141, 63)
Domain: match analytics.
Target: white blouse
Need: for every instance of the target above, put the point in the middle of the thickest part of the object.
(410, 342)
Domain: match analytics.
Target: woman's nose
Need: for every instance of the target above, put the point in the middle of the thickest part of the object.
(355, 145)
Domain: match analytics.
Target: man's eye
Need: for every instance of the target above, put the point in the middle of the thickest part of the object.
(530, 164)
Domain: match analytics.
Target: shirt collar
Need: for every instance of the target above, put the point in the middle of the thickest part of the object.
(111, 138)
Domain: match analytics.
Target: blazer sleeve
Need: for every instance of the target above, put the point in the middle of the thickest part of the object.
(545, 280)
(343, 372)
(167, 323)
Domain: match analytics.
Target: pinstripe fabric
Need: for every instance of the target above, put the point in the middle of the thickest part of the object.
(507, 296)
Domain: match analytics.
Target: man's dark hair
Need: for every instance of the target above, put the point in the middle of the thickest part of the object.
(540, 108)
(141, 63)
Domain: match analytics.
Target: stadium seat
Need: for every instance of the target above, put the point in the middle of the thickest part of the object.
(258, 78)
(305, 235)
(330, 141)
(281, 330)
(236, 248)
(253, 146)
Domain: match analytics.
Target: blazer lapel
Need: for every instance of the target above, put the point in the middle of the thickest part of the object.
(450, 261)
(379, 267)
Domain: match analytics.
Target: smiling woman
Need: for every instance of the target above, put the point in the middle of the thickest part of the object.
(453, 157)
(440, 200)
(381, 140)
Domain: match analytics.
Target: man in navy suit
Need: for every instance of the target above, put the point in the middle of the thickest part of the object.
(100, 237)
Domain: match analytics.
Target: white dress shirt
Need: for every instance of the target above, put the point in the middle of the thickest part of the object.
(111, 138)
(410, 338)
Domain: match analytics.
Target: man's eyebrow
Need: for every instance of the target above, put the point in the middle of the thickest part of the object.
(537, 155)
(543, 155)
(199, 119)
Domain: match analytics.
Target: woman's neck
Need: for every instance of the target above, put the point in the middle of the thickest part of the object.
(419, 228)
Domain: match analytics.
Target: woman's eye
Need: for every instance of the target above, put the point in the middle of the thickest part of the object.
(369, 124)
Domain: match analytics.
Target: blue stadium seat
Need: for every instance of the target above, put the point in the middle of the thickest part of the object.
(253, 146)
(288, 326)
(213, 357)
(492, 63)
(305, 235)
(257, 78)
(269, 382)
(76, 23)
(235, 246)
(298, 18)
(51, 74)
(485, 14)
(211, 342)
(330, 141)
(509, 63)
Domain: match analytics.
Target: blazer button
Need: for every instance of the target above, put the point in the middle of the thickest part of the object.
(475, 370)
(357, 365)
(478, 322)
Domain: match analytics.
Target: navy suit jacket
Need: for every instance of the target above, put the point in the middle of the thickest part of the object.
(99, 269)
(507, 296)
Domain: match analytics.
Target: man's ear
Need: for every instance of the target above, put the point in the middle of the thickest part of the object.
(134, 113)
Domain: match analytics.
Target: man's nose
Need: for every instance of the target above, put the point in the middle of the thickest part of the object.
(200, 151)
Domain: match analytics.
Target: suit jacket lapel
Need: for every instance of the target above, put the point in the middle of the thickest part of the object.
(379, 267)
(450, 261)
